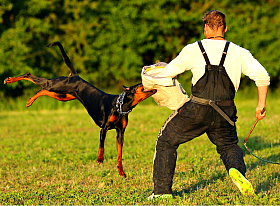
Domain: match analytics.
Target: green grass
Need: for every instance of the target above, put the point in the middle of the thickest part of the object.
(48, 156)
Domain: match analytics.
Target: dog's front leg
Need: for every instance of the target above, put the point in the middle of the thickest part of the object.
(120, 139)
(100, 157)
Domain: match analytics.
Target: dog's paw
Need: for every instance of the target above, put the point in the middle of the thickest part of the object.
(121, 172)
(8, 80)
(99, 161)
(29, 102)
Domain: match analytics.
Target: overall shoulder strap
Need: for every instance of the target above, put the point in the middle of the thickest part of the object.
(224, 54)
(203, 53)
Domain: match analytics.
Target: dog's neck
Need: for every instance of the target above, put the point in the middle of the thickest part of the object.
(120, 105)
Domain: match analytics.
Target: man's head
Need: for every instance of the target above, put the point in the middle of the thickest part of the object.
(214, 22)
(215, 19)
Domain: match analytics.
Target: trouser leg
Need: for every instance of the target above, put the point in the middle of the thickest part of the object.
(224, 136)
(178, 128)
(165, 158)
(232, 157)
(164, 166)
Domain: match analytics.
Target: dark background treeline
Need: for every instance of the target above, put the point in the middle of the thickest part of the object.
(109, 41)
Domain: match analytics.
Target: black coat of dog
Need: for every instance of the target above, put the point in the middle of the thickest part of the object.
(108, 111)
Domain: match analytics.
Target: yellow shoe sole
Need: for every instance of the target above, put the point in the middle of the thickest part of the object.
(241, 182)
(160, 196)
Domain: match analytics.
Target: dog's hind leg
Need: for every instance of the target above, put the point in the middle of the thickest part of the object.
(26, 76)
(58, 96)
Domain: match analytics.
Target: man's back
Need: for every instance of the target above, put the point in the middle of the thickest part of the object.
(238, 60)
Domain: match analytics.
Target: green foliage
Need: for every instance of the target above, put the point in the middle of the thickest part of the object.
(256, 28)
(109, 41)
(49, 158)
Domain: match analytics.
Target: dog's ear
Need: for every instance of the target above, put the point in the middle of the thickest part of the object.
(126, 89)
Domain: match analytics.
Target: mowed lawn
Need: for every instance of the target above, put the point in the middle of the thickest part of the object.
(49, 157)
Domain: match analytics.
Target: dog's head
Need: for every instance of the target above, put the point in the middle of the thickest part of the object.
(136, 94)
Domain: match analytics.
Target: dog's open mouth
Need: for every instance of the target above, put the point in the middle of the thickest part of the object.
(153, 91)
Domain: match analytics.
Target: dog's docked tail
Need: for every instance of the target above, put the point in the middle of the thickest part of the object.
(65, 57)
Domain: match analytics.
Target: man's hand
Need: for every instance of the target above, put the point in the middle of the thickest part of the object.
(260, 113)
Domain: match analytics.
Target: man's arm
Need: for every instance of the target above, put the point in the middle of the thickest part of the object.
(262, 91)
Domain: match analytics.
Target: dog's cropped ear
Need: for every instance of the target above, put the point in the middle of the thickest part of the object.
(126, 89)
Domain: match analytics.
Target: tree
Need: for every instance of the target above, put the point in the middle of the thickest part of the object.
(110, 41)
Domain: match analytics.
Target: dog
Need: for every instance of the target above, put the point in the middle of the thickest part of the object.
(107, 111)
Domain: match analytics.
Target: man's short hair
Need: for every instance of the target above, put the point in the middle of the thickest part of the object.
(215, 20)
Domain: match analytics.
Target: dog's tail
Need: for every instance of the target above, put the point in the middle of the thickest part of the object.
(65, 57)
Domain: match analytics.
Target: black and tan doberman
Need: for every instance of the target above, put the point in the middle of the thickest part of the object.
(108, 111)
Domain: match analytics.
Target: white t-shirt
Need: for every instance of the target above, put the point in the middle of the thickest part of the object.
(238, 61)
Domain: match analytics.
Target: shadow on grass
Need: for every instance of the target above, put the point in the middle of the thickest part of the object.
(256, 145)
(202, 183)
(266, 184)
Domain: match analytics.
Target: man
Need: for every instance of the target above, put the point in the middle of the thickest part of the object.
(217, 66)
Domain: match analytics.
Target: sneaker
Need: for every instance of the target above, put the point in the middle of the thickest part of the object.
(241, 182)
(160, 196)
